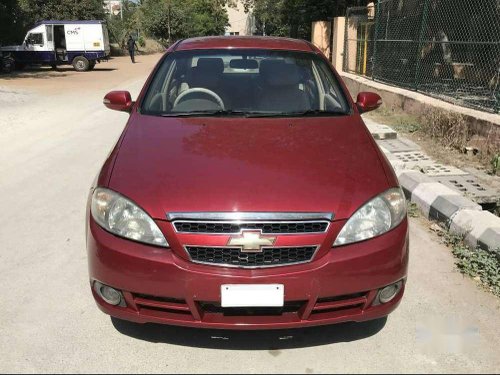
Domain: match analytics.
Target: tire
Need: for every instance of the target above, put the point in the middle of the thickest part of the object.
(92, 65)
(7, 66)
(81, 64)
(19, 66)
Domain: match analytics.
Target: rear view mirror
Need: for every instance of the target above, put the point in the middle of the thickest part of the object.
(368, 101)
(118, 101)
(243, 64)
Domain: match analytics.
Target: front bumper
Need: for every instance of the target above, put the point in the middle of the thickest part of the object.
(161, 287)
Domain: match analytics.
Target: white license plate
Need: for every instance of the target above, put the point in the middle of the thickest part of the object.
(252, 295)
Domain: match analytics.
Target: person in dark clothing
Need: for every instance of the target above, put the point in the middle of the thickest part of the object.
(132, 46)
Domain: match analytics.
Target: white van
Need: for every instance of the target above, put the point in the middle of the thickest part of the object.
(79, 43)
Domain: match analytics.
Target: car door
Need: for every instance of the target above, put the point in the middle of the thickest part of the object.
(36, 46)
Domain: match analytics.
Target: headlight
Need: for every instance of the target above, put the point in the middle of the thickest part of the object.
(376, 217)
(120, 216)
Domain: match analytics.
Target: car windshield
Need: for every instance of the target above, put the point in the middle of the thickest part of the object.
(260, 83)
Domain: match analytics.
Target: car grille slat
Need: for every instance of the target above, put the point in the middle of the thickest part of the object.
(233, 256)
(220, 227)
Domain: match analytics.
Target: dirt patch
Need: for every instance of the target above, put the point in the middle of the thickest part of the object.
(65, 79)
(443, 138)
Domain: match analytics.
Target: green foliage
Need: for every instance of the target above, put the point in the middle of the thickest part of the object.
(11, 22)
(495, 164)
(408, 126)
(119, 29)
(294, 17)
(412, 209)
(37, 10)
(482, 265)
(170, 20)
(17, 16)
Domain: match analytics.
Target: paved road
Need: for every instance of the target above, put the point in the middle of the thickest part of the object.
(54, 135)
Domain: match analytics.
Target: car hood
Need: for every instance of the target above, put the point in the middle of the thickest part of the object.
(315, 164)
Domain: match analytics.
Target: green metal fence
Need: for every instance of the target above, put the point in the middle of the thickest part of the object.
(448, 49)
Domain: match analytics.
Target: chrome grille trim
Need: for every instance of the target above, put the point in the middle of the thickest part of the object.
(247, 226)
(250, 216)
(316, 248)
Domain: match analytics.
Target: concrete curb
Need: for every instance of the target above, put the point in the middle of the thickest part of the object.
(480, 228)
(459, 214)
(436, 201)
(380, 131)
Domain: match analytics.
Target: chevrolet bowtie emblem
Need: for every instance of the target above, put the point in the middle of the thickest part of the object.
(251, 242)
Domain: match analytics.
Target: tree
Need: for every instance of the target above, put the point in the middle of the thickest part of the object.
(294, 17)
(122, 25)
(11, 22)
(37, 10)
(209, 17)
(170, 20)
(163, 20)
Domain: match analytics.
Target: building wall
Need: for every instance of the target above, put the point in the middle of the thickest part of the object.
(112, 6)
(321, 36)
(240, 22)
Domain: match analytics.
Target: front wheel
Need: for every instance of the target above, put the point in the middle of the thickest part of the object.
(81, 64)
(19, 65)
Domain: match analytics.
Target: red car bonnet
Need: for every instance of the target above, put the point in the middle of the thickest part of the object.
(315, 164)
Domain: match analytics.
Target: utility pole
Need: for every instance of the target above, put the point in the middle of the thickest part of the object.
(121, 10)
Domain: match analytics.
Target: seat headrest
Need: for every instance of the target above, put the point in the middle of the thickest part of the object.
(279, 73)
(210, 65)
(206, 73)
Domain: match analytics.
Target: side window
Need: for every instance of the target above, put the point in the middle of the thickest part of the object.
(157, 97)
(35, 38)
(334, 99)
(50, 36)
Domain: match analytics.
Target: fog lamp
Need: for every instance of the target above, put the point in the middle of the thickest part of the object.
(388, 293)
(109, 295)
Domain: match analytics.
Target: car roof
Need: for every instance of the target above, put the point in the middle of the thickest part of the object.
(250, 42)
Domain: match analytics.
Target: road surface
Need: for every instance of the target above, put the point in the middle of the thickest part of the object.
(54, 136)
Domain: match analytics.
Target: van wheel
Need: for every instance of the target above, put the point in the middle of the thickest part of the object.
(92, 65)
(81, 64)
(19, 66)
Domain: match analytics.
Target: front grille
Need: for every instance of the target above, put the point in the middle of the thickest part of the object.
(216, 308)
(221, 227)
(337, 305)
(162, 307)
(269, 257)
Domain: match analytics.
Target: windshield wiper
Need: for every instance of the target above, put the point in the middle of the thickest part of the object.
(309, 112)
(230, 112)
(317, 112)
(220, 112)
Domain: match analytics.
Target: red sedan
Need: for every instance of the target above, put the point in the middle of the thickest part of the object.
(246, 193)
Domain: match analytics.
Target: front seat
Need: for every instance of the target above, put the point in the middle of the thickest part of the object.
(281, 92)
(207, 74)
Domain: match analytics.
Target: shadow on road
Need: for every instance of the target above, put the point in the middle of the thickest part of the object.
(250, 340)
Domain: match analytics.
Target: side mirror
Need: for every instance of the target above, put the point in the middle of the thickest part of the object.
(368, 101)
(118, 101)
